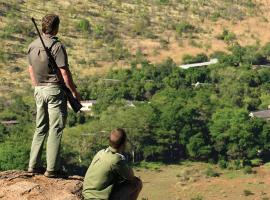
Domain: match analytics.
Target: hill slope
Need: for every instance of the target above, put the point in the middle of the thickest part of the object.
(101, 35)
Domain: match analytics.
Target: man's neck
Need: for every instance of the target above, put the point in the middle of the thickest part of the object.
(48, 35)
(119, 150)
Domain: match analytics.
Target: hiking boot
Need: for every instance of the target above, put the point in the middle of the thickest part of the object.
(55, 174)
(39, 170)
(50, 174)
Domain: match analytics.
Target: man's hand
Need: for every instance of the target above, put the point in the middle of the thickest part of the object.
(77, 96)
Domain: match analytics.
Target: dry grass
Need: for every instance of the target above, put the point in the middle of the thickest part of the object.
(89, 54)
(188, 181)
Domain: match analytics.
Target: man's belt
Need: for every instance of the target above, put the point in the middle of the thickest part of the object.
(47, 84)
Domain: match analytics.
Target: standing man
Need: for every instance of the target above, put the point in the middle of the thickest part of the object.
(109, 177)
(51, 101)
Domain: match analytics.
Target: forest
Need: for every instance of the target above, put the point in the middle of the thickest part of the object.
(170, 114)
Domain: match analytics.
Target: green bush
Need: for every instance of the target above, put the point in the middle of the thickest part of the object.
(247, 193)
(14, 152)
(118, 52)
(248, 170)
(4, 57)
(227, 36)
(256, 162)
(210, 172)
(199, 197)
(140, 25)
(3, 132)
(163, 2)
(189, 59)
(84, 25)
(99, 31)
(222, 164)
(215, 16)
(184, 27)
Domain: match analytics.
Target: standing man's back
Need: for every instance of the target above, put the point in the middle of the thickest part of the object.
(109, 176)
(51, 101)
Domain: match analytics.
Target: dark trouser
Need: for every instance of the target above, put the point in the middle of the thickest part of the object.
(128, 190)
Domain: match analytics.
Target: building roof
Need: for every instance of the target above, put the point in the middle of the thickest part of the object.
(265, 114)
(212, 61)
(9, 122)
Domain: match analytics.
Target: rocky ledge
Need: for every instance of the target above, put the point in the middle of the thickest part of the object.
(19, 185)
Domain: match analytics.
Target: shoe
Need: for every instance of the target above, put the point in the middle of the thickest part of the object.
(39, 170)
(50, 174)
(55, 174)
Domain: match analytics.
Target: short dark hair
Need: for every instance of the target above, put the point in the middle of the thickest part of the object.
(117, 138)
(50, 23)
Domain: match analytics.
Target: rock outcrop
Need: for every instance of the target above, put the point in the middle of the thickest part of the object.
(19, 185)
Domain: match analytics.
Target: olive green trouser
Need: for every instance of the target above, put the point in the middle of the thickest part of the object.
(128, 190)
(51, 116)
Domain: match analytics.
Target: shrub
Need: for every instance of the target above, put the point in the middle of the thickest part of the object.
(14, 151)
(118, 51)
(199, 197)
(222, 164)
(99, 31)
(248, 193)
(141, 25)
(184, 27)
(163, 2)
(210, 172)
(189, 59)
(256, 162)
(250, 4)
(227, 36)
(248, 170)
(4, 57)
(84, 25)
(215, 15)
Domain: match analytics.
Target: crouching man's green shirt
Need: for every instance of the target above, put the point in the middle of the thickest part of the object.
(107, 168)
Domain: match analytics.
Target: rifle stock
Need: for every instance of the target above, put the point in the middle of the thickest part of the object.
(74, 103)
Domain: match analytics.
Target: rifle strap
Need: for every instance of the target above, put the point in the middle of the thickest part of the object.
(54, 42)
(50, 49)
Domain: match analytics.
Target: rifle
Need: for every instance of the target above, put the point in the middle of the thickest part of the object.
(74, 103)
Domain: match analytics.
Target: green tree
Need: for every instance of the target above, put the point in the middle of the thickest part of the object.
(234, 135)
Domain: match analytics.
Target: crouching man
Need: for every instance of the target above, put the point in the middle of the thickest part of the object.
(108, 176)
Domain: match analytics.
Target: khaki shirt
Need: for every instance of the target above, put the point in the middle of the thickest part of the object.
(38, 59)
(107, 168)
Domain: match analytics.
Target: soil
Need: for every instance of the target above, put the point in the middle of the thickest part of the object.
(19, 185)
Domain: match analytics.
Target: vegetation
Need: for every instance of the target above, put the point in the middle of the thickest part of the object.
(210, 172)
(199, 197)
(248, 193)
(102, 35)
(170, 119)
(227, 36)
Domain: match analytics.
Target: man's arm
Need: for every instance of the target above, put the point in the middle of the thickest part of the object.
(32, 76)
(66, 74)
(124, 171)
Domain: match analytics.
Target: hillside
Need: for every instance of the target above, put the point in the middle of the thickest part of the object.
(101, 35)
(160, 182)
